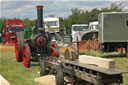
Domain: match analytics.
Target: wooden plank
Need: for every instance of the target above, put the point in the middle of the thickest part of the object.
(95, 68)
(87, 77)
(3, 81)
(100, 62)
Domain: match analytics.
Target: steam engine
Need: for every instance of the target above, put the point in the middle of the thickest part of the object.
(39, 40)
(38, 44)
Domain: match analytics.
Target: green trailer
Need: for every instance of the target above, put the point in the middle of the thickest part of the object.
(113, 31)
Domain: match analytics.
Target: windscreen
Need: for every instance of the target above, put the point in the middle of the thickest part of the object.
(96, 26)
(80, 28)
(51, 23)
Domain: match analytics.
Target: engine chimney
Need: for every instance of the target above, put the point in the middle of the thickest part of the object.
(40, 25)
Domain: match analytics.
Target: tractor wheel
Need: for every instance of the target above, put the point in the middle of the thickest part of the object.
(19, 41)
(26, 55)
(42, 69)
(59, 76)
(54, 51)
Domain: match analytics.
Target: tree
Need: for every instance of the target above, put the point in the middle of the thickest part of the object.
(93, 15)
(2, 24)
(61, 23)
(80, 16)
(117, 7)
(68, 23)
(27, 22)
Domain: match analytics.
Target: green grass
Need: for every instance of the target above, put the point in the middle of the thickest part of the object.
(15, 72)
(121, 61)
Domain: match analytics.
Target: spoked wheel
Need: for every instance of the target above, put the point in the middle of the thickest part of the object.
(59, 76)
(26, 55)
(19, 41)
(42, 68)
(54, 49)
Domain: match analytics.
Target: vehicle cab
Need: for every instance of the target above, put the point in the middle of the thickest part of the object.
(78, 28)
(93, 25)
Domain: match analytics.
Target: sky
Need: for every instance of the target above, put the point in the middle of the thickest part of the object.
(60, 8)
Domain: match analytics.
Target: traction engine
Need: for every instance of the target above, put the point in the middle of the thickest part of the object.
(12, 27)
(39, 44)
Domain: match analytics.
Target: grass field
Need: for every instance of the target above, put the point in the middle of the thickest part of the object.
(17, 74)
(14, 71)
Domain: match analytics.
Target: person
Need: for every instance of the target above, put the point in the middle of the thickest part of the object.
(78, 36)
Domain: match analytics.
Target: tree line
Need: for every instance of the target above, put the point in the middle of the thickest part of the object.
(78, 16)
(83, 16)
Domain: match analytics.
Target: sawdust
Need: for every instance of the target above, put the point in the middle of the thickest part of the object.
(46, 80)
(50, 80)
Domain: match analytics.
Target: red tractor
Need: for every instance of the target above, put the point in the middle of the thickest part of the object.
(12, 27)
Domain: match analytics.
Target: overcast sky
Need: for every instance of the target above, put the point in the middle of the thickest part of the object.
(60, 8)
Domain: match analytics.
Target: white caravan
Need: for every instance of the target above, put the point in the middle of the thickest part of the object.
(53, 22)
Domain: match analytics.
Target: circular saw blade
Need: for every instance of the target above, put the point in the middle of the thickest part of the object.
(67, 54)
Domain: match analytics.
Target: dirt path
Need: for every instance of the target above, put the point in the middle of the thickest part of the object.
(5, 48)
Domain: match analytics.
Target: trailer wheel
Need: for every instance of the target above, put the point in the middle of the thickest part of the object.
(19, 41)
(59, 76)
(26, 55)
(42, 69)
(54, 51)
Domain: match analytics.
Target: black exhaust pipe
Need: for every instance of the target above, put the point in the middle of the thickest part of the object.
(40, 25)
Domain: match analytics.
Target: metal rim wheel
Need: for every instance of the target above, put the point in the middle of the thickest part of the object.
(26, 55)
(42, 69)
(59, 76)
(19, 41)
(54, 50)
